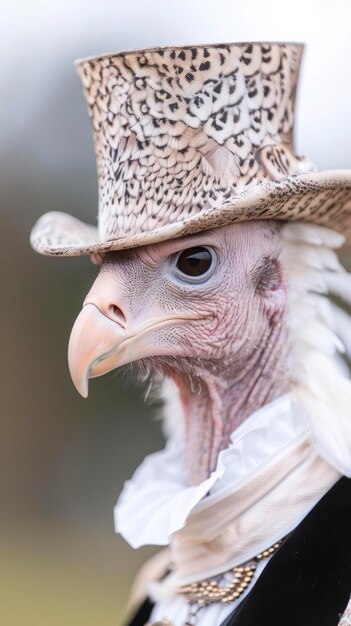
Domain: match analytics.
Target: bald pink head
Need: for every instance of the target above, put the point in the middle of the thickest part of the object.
(210, 307)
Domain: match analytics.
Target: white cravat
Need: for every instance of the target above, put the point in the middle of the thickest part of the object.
(265, 482)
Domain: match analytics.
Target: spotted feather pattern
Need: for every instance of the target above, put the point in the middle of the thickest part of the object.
(192, 138)
(178, 131)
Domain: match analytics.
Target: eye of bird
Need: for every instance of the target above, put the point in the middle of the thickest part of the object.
(194, 262)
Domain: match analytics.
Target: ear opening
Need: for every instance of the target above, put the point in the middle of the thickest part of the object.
(267, 275)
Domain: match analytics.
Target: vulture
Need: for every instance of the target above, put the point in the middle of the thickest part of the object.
(220, 283)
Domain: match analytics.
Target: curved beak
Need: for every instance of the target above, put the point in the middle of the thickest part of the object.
(94, 347)
(107, 334)
(98, 344)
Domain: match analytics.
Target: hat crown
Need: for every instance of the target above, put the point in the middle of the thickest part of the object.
(180, 130)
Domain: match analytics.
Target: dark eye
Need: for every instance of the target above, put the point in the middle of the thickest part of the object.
(194, 261)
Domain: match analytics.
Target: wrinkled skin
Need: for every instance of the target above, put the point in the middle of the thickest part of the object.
(223, 339)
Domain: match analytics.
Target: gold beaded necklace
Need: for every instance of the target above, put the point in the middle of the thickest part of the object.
(205, 592)
(208, 591)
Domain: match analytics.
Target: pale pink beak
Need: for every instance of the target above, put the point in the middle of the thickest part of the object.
(98, 345)
(102, 336)
(105, 335)
(93, 346)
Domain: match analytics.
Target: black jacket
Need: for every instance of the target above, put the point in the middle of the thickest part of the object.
(307, 582)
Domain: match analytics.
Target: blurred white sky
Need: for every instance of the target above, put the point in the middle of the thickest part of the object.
(41, 38)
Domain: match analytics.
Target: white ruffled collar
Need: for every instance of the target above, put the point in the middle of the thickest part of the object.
(156, 502)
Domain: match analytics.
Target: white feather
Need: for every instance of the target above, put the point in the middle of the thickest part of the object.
(313, 234)
(320, 331)
(172, 413)
(343, 328)
(339, 285)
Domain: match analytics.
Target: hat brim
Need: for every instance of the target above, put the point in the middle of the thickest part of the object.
(318, 197)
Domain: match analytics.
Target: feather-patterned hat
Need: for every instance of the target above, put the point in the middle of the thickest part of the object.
(191, 138)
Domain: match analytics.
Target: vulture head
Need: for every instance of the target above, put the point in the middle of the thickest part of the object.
(207, 311)
(221, 313)
(235, 313)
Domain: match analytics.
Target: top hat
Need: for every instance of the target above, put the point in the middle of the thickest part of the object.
(191, 138)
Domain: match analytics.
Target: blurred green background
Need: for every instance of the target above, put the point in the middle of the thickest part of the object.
(64, 459)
